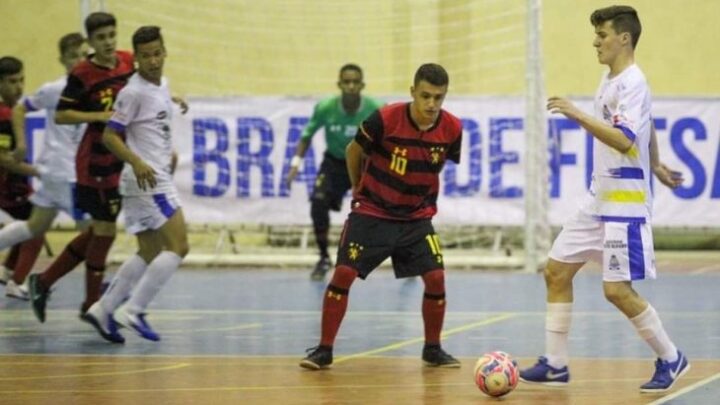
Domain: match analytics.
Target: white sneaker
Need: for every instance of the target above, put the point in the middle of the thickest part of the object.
(13, 290)
(136, 322)
(103, 323)
(5, 274)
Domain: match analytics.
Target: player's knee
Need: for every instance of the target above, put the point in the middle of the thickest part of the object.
(556, 277)
(617, 293)
(434, 281)
(343, 277)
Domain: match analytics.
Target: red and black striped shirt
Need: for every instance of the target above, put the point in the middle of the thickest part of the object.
(400, 176)
(93, 88)
(14, 188)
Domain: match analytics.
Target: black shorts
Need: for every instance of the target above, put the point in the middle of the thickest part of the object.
(332, 182)
(20, 212)
(101, 204)
(367, 241)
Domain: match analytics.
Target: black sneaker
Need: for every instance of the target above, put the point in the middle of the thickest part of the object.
(320, 357)
(435, 356)
(38, 297)
(323, 266)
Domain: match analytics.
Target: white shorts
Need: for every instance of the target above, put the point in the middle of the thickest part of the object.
(625, 249)
(58, 194)
(148, 212)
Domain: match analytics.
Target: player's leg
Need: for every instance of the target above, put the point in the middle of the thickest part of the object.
(28, 250)
(630, 258)
(418, 253)
(320, 215)
(579, 241)
(173, 234)
(353, 260)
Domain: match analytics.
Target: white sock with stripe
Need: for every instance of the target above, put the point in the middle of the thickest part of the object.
(557, 329)
(126, 277)
(650, 328)
(14, 233)
(158, 273)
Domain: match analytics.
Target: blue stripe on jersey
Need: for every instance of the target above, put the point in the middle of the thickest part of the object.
(116, 126)
(164, 205)
(628, 133)
(635, 252)
(611, 218)
(627, 173)
(28, 105)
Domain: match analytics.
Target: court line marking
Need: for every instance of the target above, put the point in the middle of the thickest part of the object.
(111, 373)
(685, 390)
(409, 342)
(19, 331)
(703, 270)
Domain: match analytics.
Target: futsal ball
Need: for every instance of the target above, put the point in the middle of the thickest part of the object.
(496, 374)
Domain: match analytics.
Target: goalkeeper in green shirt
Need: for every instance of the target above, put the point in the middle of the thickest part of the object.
(340, 117)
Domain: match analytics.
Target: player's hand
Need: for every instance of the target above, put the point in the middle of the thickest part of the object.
(184, 107)
(291, 175)
(559, 105)
(19, 153)
(105, 116)
(668, 177)
(144, 174)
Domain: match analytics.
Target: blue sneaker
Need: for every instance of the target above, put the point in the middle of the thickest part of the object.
(666, 374)
(136, 322)
(103, 323)
(545, 374)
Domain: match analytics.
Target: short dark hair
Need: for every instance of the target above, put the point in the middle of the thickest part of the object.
(351, 66)
(98, 20)
(433, 74)
(70, 41)
(624, 19)
(10, 65)
(146, 34)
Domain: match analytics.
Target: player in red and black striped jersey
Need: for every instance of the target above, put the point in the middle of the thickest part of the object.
(88, 98)
(15, 186)
(394, 165)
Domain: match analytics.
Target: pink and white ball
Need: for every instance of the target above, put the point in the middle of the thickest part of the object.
(496, 374)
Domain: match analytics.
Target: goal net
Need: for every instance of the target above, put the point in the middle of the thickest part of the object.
(271, 60)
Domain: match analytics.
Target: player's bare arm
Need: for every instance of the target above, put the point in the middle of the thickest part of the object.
(18, 123)
(69, 117)
(667, 176)
(297, 160)
(353, 160)
(144, 174)
(606, 134)
(8, 163)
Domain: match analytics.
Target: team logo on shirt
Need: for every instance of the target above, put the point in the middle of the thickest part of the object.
(435, 154)
(607, 116)
(614, 263)
(354, 250)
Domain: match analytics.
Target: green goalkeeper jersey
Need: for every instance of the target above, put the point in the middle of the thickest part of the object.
(340, 127)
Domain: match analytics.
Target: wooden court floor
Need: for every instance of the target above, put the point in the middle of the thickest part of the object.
(235, 337)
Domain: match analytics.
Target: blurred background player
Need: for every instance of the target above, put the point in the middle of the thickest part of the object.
(143, 114)
(56, 162)
(88, 98)
(339, 116)
(613, 224)
(394, 164)
(15, 188)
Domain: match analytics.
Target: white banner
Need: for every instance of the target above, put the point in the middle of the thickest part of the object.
(235, 152)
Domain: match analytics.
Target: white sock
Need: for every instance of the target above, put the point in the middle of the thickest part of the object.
(650, 328)
(14, 233)
(158, 273)
(557, 328)
(126, 277)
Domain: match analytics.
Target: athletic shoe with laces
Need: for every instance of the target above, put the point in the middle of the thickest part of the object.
(321, 267)
(39, 297)
(103, 322)
(666, 374)
(435, 356)
(5, 274)
(13, 290)
(545, 374)
(137, 323)
(318, 358)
